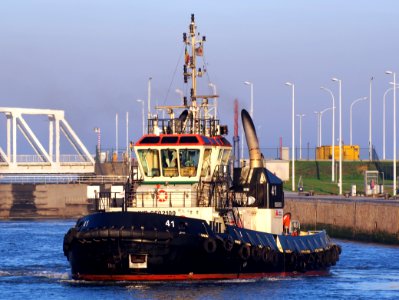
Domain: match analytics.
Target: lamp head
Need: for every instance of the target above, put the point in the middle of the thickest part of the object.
(388, 72)
(289, 83)
(247, 82)
(335, 79)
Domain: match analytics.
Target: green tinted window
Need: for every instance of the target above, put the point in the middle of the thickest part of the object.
(149, 160)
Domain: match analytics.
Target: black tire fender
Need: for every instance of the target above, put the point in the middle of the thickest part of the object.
(256, 253)
(228, 243)
(209, 245)
(244, 252)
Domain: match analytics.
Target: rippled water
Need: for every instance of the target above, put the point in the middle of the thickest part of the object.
(32, 265)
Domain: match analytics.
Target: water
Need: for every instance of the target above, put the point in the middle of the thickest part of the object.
(32, 266)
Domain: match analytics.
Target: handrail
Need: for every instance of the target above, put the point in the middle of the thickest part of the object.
(62, 179)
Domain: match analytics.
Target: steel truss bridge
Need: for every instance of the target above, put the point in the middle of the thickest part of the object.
(46, 160)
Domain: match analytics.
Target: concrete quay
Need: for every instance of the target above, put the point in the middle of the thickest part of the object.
(355, 218)
(36, 201)
(58, 200)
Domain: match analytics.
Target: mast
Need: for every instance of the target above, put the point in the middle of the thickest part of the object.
(196, 46)
(195, 117)
(193, 63)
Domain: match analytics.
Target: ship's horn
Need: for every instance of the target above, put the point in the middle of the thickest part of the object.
(255, 156)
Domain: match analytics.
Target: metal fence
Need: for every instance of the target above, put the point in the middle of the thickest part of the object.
(61, 179)
(33, 158)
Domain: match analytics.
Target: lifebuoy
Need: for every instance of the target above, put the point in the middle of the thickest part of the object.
(162, 196)
(210, 245)
(244, 252)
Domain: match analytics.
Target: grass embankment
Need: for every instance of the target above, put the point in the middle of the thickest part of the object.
(316, 176)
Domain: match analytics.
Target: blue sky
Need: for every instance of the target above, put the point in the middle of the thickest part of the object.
(93, 58)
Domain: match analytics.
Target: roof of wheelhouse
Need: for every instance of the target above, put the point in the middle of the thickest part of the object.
(182, 139)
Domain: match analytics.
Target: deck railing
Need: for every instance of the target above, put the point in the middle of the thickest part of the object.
(62, 179)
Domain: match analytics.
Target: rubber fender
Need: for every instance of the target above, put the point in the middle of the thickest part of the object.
(149, 234)
(68, 238)
(101, 233)
(125, 233)
(301, 263)
(209, 245)
(325, 258)
(265, 254)
(113, 233)
(228, 243)
(83, 234)
(320, 259)
(244, 252)
(329, 257)
(273, 258)
(256, 253)
(334, 257)
(311, 261)
(293, 258)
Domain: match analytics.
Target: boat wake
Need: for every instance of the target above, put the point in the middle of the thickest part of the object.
(30, 275)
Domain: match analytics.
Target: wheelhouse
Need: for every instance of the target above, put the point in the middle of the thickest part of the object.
(180, 158)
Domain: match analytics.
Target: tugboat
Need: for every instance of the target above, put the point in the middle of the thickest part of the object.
(187, 214)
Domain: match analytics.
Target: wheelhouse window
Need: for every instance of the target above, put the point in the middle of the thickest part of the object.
(206, 163)
(189, 159)
(149, 159)
(169, 163)
(226, 155)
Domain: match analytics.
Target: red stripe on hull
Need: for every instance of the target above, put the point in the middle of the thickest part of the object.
(186, 277)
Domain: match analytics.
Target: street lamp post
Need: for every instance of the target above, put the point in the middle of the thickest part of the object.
(149, 98)
(116, 134)
(252, 97)
(213, 86)
(98, 150)
(293, 134)
(142, 113)
(320, 122)
(333, 135)
(300, 116)
(127, 133)
(394, 129)
(383, 121)
(350, 117)
(340, 133)
(370, 140)
(318, 127)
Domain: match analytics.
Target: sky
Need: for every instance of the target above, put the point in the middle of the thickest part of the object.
(93, 58)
